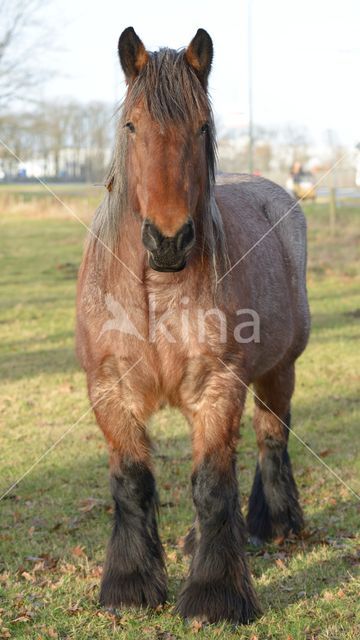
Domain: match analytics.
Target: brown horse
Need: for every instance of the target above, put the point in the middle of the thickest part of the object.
(171, 263)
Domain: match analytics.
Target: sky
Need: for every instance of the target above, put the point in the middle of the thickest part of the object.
(305, 56)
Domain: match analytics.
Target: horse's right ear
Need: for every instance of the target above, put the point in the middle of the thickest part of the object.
(132, 53)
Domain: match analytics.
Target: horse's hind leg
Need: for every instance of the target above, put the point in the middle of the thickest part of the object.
(134, 571)
(274, 508)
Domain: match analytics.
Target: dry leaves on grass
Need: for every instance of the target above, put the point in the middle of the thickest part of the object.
(255, 637)
(78, 552)
(41, 564)
(67, 567)
(326, 452)
(172, 556)
(280, 563)
(27, 576)
(89, 504)
(117, 620)
(330, 595)
(25, 617)
(45, 562)
(74, 610)
(196, 626)
(158, 633)
(48, 632)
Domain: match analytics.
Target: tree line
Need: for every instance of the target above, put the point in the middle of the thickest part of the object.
(68, 140)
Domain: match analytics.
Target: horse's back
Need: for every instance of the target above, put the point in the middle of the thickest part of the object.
(263, 215)
(278, 207)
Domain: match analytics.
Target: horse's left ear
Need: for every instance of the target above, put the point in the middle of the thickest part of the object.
(132, 53)
(199, 55)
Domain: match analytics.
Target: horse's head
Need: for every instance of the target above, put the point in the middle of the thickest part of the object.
(170, 149)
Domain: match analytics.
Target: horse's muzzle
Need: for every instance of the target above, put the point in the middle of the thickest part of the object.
(168, 253)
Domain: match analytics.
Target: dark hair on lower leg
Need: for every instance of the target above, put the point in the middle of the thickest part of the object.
(274, 508)
(219, 584)
(134, 571)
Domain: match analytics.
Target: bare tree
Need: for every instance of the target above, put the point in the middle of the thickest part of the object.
(71, 140)
(100, 125)
(23, 41)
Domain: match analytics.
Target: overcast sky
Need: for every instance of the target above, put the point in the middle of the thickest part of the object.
(306, 55)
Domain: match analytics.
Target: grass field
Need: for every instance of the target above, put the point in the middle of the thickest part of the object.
(56, 521)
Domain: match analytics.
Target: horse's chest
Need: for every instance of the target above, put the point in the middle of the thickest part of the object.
(179, 331)
(173, 326)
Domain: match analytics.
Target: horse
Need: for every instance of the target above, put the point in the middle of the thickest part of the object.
(168, 246)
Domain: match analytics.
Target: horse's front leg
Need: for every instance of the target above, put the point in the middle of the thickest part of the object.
(134, 571)
(219, 585)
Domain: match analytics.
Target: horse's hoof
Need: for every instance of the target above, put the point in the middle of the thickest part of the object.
(218, 601)
(133, 590)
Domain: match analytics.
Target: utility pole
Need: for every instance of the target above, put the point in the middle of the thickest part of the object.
(250, 92)
(333, 184)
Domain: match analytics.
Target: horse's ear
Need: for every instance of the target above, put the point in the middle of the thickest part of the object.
(199, 55)
(132, 53)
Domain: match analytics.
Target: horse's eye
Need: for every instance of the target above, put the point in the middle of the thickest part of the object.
(130, 126)
(205, 128)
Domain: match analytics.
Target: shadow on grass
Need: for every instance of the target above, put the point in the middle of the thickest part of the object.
(14, 345)
(28, 364)
(312, 581)
(61, 506)
(335, 321)
(316, 296)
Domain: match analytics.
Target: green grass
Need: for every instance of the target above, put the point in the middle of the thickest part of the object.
(56, 521)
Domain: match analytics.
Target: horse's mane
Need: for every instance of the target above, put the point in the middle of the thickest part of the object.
(172, 93)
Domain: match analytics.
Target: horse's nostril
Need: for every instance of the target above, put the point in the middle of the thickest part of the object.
(186, 236)
(151, 236)
(155, 241)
